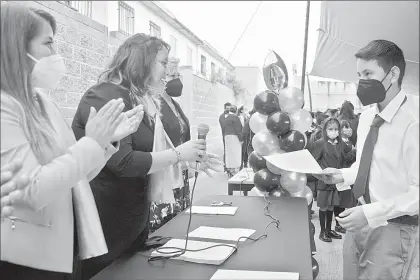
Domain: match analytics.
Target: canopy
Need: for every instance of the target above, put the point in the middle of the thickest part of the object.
(347, 26)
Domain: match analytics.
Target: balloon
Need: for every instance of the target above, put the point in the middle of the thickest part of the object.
(291, 100)
(300, 121)
(278, 123)
(279, 192)
(256, 162)
(265, 143)
(266, 102)
(266, 181)
(257, 122)
(315, 268)
(274, 77)
(293, 141)
(273, 168)
(275, 72)
(293, 182)
(306, 193)
(312, 228)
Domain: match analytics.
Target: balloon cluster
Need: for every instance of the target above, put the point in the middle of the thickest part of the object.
(279, 124)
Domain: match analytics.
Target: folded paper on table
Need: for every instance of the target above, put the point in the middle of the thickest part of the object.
(299, 161)
(231, 234)
(213, 210)
(216, 255)
(224, 274)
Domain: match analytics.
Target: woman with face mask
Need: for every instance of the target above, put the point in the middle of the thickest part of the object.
(136, 74)
(55, 222)
(177, 127)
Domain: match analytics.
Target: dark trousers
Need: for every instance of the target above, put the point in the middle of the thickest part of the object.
(93, 266)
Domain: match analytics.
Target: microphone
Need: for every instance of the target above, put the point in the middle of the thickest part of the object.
(202, 130)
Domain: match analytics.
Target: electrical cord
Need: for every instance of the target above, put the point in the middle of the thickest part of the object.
(177, 252)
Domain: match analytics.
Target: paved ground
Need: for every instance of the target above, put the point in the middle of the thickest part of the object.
(329, 255)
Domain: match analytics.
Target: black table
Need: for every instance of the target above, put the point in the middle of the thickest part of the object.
(285, 250)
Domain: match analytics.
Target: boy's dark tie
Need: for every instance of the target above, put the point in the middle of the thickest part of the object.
(361, 185)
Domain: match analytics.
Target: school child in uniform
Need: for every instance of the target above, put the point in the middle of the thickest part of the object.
(347, 199)
(329, 151)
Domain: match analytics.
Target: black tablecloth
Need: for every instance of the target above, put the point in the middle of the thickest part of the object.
(286, 249)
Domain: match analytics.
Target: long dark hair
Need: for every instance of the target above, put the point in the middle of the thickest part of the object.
(19, 25)
(132, 63)
(347, 111)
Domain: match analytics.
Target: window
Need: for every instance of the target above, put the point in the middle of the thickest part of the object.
(125, 18)
(189, 56)
(173, 52)
(154, 29)
(213, 69)
(203, 65)
(83, 7)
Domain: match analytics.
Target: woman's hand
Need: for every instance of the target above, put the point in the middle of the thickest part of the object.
(102, 125)
(192, 150)
(209, 162)
(129, 124)
(330, 176)
(11, 186)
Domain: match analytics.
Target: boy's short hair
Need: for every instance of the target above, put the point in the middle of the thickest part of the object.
(321, 118)
(386, 53)
(227, 104)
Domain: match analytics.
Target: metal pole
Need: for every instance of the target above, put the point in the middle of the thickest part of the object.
(310, 93)
(305, 47)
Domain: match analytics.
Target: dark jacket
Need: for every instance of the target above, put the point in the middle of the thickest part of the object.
(120, 189)
(329, 155)
(233, 126)
(171, 123)
(247, 136)
(222, 120)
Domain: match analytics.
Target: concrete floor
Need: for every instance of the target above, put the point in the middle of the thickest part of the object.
(329, 255)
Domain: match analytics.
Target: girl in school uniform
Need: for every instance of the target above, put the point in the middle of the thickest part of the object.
(347, 199)
(329, 151)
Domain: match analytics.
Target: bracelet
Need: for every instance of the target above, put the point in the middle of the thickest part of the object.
(178, 156)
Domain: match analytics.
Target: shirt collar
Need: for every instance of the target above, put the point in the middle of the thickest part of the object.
(391, 109)
(335, 142)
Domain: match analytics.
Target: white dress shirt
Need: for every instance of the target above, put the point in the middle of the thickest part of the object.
(394, 171)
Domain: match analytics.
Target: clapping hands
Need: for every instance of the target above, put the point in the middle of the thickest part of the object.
(129, 124)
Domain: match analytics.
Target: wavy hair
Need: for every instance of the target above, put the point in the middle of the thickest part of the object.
(131, 65)
(19, 25)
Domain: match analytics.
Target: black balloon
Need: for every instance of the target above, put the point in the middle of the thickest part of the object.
(315, 268)
(292, 141)
(278, 123)
(256, 162)
(312, 228)
(266, 181)
(266, 102)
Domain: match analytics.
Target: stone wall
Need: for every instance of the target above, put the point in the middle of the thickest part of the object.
(86, 48)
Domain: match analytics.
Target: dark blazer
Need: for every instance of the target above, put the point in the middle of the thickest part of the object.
(233, 126)
(120, 189)
(171, 123)
(222, 121)
(328, 155)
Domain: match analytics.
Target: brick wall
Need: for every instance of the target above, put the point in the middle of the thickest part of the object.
(86, 48)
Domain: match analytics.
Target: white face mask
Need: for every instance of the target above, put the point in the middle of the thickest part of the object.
(48, 71)
(332, 134)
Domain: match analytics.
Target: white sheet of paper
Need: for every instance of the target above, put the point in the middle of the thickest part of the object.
(224, 274)
(299, 161)
(213, 210)
(231, 234)
(342, 187)
(215, 255)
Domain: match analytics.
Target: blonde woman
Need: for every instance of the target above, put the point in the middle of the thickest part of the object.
(56, 222)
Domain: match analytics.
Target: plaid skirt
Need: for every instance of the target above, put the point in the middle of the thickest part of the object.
(328, 198)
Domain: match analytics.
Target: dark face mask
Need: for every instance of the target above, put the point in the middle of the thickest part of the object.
(372, 91)
(174, 88)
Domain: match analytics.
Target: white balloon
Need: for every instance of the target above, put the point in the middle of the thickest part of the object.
(300, 121)
(257, 122)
